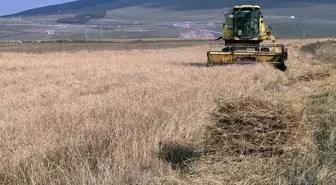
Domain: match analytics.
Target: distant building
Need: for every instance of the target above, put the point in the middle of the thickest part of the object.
(51, 32)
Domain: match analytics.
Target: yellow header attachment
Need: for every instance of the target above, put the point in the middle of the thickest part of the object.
(247, 6)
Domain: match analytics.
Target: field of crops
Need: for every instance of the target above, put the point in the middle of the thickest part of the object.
(158, 115)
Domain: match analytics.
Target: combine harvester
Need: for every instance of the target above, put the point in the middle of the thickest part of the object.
(247, 39)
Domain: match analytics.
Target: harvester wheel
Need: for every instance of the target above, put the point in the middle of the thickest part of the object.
(208, 64)
(281, 66)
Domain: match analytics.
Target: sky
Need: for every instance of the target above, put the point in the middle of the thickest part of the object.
(14, 6)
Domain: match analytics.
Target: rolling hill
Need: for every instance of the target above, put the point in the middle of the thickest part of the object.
(120, 19)
(87, 5)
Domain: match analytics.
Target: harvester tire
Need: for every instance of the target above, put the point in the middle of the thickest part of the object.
(281, 66)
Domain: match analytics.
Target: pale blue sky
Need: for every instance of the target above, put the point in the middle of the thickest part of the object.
(14, 6)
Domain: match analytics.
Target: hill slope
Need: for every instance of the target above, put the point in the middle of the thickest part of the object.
(176, 4)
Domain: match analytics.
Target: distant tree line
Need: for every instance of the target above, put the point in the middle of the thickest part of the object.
(82, 18)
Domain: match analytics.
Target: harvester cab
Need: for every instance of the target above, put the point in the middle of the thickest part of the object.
(247, 39)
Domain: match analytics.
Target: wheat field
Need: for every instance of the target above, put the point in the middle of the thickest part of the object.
(130, 116)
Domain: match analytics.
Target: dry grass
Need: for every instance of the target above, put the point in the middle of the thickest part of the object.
(105, 117)
(104, 45)
(252, 125)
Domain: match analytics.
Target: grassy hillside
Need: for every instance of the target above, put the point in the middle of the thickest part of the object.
(71, 6)
(123, 20)
(175, 4)
(214, 4)
(154, 22)
(160, 116)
